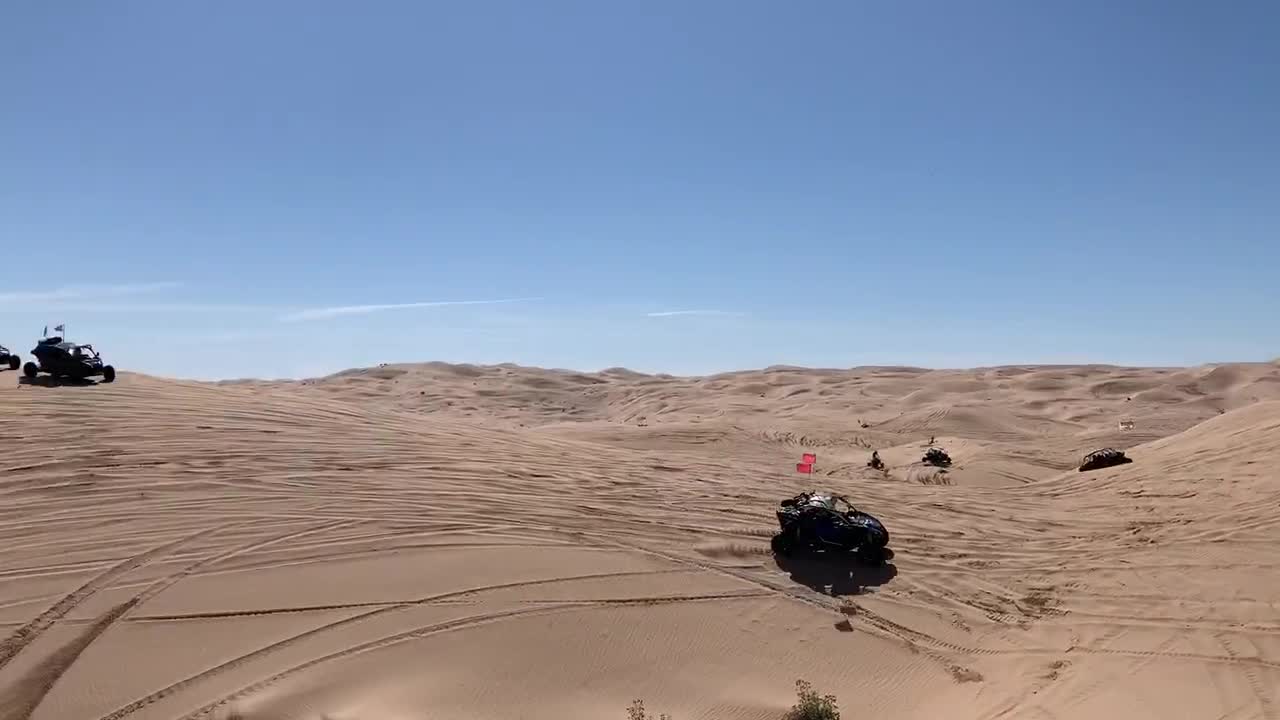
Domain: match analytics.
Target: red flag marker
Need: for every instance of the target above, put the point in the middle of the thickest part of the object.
(804, 468)
(809, 458)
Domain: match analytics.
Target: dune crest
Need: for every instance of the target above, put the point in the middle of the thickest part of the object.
(479, 542)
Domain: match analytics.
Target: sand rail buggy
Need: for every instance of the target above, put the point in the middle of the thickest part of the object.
(1104, 458)
(9, 359)
(67, 359)
(824, 522)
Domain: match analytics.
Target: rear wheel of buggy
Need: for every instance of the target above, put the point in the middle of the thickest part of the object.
(108, 374)
(30, 370)
(14, 362)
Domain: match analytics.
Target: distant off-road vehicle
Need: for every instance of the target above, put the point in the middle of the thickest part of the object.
(9, 359)
(1104, 458)
(825, 522)
(937, 457)
(67, 359)
(875, 461)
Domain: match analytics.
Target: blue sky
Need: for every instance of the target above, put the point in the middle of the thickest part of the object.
(290, 188)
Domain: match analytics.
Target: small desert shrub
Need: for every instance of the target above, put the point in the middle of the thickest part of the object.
(809, 706)
(636, 712)
(812, 706)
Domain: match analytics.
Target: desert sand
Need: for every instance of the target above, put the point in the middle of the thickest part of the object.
(496, 543)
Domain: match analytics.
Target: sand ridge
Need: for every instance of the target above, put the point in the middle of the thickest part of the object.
(492, 542)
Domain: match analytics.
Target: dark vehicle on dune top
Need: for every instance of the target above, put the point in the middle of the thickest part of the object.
(8, 358)
(67, 359)
(1104, 458)
(823, 522)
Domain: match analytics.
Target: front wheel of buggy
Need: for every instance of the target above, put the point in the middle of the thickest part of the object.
(14, 362)
(108, 374)
(780, 544)
(30, 370)
(873, 556)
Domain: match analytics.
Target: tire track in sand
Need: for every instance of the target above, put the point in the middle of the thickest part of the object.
(27, 634)
(293, 640)
(49, 678)
(1251, 675)
(169, 581)
(446, 626)
(932, 646)
(27, 693)
(916, 641)
(164, 583)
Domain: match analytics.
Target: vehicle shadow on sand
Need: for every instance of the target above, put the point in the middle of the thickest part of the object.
(50, 381)
(835, 575)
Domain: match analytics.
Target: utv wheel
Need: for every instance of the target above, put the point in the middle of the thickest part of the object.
(30, 370)
(872, 556)
(108, 374)
(14, 362)
(780, 544)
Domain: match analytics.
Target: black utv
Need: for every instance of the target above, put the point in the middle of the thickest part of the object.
(67, 359)
(936, 457)
(9, 359)
(825, 522)
(1104, 458)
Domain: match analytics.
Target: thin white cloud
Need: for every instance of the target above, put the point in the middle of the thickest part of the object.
(161, 307)
(83, 292)
(177, 308)
(219, 337)
(678, 313)
(339, 311)
(122, 298)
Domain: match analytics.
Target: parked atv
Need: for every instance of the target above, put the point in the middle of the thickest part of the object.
(67, 359)
(9, 359)
(823, 522)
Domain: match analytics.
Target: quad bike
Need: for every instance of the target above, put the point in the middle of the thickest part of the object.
(827, 523)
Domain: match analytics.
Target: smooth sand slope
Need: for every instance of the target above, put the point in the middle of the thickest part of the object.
(436, 542)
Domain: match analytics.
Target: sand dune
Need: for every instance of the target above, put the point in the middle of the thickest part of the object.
(441, 541)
